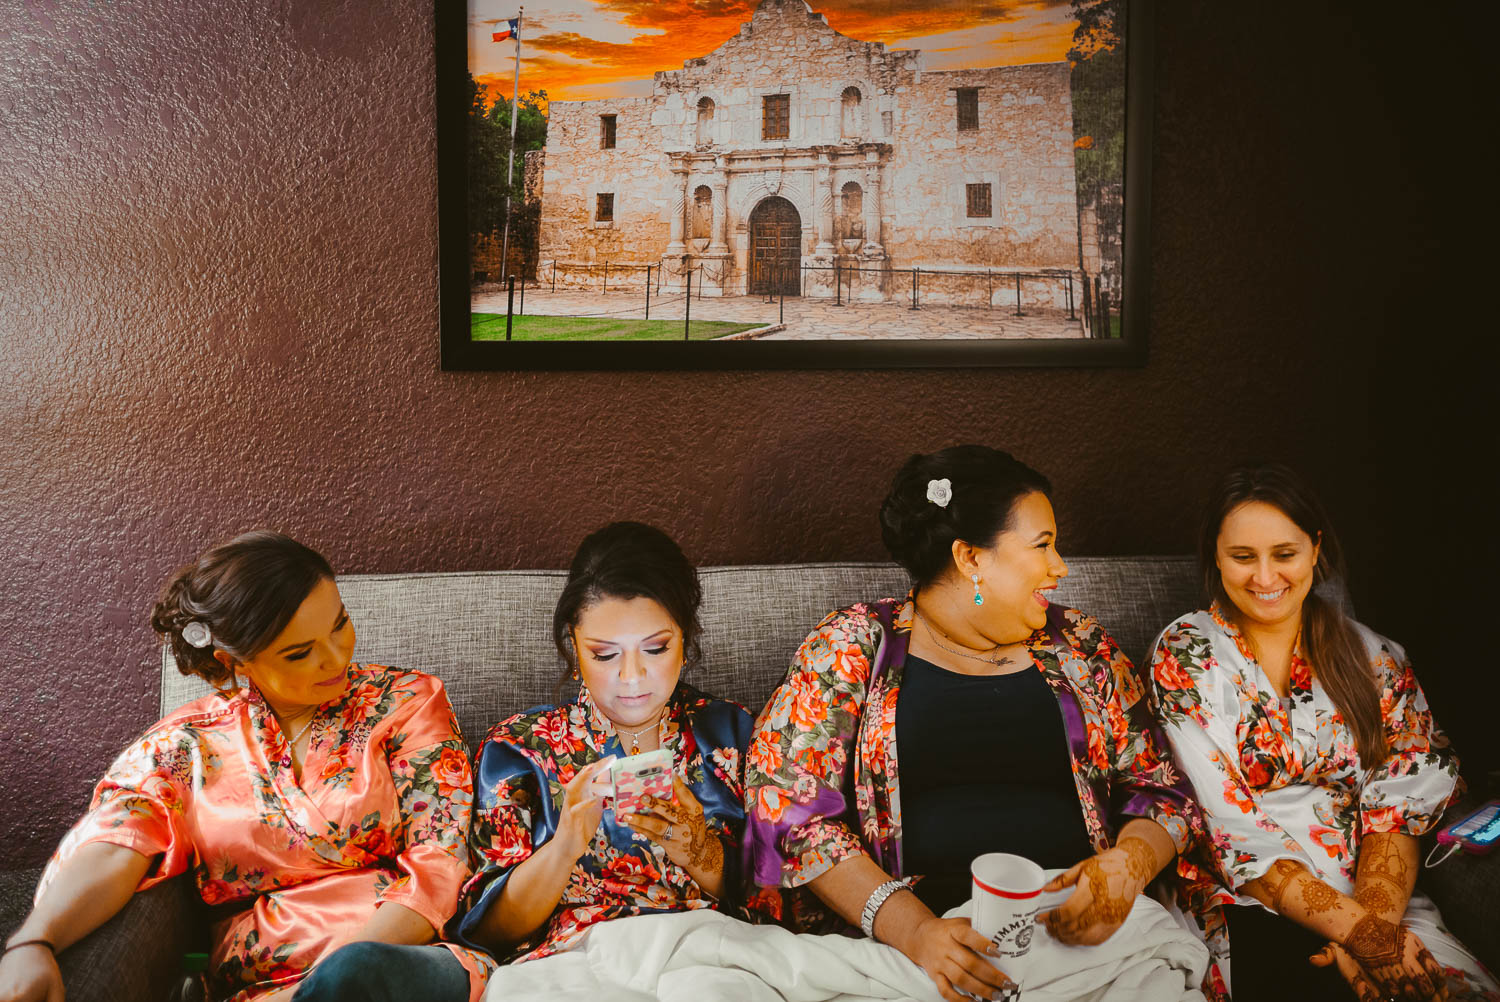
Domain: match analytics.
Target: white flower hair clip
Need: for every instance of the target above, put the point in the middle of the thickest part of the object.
(940, 492)
(196, 634)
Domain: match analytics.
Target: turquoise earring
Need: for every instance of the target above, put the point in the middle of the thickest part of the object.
(978, 598)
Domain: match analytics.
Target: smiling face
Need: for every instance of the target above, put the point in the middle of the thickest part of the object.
(630, 656)
(308, 662)
(1018, 571)
(1266, 563)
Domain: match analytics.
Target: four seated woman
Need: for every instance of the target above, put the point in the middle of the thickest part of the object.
(322, 807)
(553, 859)
(1316, 760)
(1021, 727)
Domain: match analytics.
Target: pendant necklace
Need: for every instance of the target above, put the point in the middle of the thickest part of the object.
(635, 736)
(291, 742)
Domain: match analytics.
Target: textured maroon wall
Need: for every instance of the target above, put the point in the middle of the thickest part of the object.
(218, 310)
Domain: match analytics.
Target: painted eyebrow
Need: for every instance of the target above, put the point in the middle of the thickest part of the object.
(295, 648)
(1243, 548)
(1042, 535)
(665, 632)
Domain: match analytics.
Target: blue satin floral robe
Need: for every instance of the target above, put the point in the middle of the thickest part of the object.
(520, 771)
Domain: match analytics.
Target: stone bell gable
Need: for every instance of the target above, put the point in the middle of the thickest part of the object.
(784, 47)
(791, 150)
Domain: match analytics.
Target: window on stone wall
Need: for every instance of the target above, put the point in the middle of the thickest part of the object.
(979, 201)
(849, 122)
(705, 121)
(968, 108)
(703, 212)
(776, 116)
(605, 209)
(606, 132)
(851, 221)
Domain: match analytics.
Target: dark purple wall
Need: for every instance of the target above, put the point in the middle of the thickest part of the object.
(218, 306)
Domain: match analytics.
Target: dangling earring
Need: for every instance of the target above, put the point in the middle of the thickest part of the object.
(978, 598)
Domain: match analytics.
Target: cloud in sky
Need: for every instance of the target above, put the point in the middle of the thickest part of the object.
(585, 49)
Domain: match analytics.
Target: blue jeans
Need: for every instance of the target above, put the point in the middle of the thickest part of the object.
(380, 972)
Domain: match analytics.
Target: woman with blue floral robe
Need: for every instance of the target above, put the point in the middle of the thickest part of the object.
(520, 772)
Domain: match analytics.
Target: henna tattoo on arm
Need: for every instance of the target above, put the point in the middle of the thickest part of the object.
(1141, 860)
(1318, 897)
(1271, 887)
(1375, 898)
(1387, 872)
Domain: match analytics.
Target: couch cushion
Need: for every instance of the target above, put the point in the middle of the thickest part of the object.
(488, 635)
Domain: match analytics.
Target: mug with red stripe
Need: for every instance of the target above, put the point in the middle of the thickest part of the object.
(1007, 899)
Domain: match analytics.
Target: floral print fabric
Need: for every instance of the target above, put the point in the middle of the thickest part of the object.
(291, 869)
(1281, 778)
(822, 776)
(520, 772)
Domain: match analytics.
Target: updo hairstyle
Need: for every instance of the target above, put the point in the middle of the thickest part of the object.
(245, 591)
(1330, 642)
(628, 560)
(985, 483)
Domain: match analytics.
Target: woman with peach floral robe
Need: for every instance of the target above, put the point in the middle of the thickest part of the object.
(1281, 779)
(381, 815)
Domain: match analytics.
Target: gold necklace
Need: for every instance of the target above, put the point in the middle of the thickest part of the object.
(932, 632)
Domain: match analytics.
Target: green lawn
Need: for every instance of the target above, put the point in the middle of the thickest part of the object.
(491, 327)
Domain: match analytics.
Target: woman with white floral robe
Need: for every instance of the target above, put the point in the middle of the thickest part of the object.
(1281, 778)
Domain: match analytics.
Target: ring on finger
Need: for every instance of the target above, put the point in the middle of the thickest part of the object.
(667, 835)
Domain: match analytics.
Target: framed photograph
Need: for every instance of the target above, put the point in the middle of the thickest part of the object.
(792, 183)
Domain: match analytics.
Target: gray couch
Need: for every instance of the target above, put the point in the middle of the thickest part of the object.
(487, 635)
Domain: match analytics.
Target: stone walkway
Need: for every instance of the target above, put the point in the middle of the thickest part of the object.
(806, 319)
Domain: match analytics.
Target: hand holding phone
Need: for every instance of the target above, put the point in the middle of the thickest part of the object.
(636, 776)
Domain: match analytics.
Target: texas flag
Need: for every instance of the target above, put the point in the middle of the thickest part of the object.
(511, 27)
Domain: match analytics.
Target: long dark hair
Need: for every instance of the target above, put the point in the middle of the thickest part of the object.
(628, 560)
(1332, 645)
(985, 483)
(244, 591)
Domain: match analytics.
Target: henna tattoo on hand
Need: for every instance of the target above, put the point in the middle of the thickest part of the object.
(704, 850)
(1374, 942)
(1104, 908)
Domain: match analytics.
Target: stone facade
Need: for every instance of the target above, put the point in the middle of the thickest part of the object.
(873, 172)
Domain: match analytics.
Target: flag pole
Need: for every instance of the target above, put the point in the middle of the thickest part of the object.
(510, 162)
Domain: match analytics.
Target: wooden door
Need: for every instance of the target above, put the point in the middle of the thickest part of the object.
(775, 248)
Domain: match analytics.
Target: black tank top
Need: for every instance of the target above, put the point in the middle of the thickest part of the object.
(984, 767)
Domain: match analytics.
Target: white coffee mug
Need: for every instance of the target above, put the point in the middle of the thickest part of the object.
(1007, 899)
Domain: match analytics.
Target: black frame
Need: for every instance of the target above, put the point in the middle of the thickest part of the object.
(461, 353)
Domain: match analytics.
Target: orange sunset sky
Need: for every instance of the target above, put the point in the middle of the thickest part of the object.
(584, 49)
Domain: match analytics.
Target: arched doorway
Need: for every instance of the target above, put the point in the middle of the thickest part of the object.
(775, 247)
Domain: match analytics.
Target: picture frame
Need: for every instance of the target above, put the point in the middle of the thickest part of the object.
(1127, 309)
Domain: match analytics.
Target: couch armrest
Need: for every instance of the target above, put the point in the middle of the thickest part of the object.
(137, 955)
(1465, 888)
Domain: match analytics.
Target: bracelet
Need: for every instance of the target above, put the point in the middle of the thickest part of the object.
(875, 900)
(31, 942)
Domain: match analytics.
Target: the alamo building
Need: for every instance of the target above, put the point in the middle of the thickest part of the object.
(793, 154)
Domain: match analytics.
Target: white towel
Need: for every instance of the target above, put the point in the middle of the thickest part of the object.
(703, 956)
